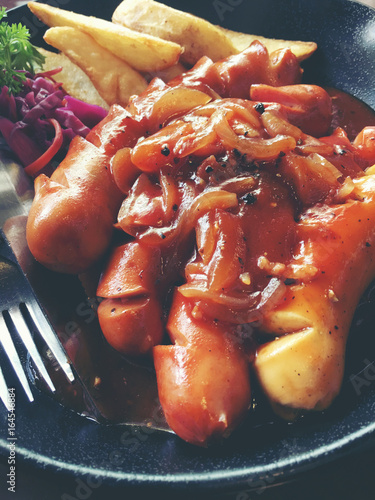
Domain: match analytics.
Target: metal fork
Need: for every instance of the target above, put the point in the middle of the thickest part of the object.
(20, 317)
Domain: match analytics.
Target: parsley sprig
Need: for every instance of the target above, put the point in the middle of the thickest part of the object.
(17, 54)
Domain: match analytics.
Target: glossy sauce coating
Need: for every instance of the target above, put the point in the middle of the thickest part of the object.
(225, 181)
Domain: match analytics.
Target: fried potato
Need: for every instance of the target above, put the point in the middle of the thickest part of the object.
(167, 74)
(113, 78)
(74, 81)
(302, 50)
(141, 51)
(197, 36)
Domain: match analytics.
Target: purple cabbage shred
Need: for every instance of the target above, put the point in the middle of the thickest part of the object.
(24, 118)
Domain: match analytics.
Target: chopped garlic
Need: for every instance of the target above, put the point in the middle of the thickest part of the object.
(332, 296)
(245, 278)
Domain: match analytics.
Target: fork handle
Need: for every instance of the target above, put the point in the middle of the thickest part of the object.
(6, 251)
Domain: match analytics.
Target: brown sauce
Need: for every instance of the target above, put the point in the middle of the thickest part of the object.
(350, 113)
(121, 390)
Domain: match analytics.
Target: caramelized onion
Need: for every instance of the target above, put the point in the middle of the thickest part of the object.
(239, 185)
(345, 190)
(276, 125)
(235, 309)
(254, 148)
(170, 195)
(312, 145)
(192, 143)
(190, 211)
(143, 207)
(201, 291)
(178, 101)
(324, 168)
(236, 108)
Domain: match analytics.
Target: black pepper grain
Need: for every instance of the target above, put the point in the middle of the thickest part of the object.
(259, 107)
(165, 150)
(249, 198)
(289, 281)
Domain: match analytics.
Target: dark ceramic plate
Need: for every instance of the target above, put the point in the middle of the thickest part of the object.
(260, 453)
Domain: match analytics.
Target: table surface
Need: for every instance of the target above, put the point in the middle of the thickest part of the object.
(350, 478)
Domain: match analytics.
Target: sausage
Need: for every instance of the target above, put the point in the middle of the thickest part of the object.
(70, 221)
(203, 379)
(308, 107)
(130, 315)
(234, 76)
(303, 367)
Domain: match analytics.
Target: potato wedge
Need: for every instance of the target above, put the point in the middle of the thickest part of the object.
(113, 78)
(141, 51)
(302, 50)
(74, 81)
(197, 36)
(167, 74)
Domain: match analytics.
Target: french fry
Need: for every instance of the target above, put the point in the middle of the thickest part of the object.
(141, 51)
(74, 81)
(197, 36)
(114, 79)
(302, 50)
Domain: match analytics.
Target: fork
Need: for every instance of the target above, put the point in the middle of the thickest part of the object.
(21, 316)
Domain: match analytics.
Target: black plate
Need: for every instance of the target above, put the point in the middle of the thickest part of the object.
(258, 454)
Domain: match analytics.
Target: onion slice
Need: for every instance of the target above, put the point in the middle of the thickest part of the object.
(235, 308)
(35, 167)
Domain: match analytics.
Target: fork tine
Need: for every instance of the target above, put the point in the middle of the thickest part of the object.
(51, 340)
(25, 335)
(4, 391)
(11, 352)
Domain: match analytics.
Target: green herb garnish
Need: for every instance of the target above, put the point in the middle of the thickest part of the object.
(17, 54)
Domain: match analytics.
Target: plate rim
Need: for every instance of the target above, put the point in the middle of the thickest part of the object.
(323, 454)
